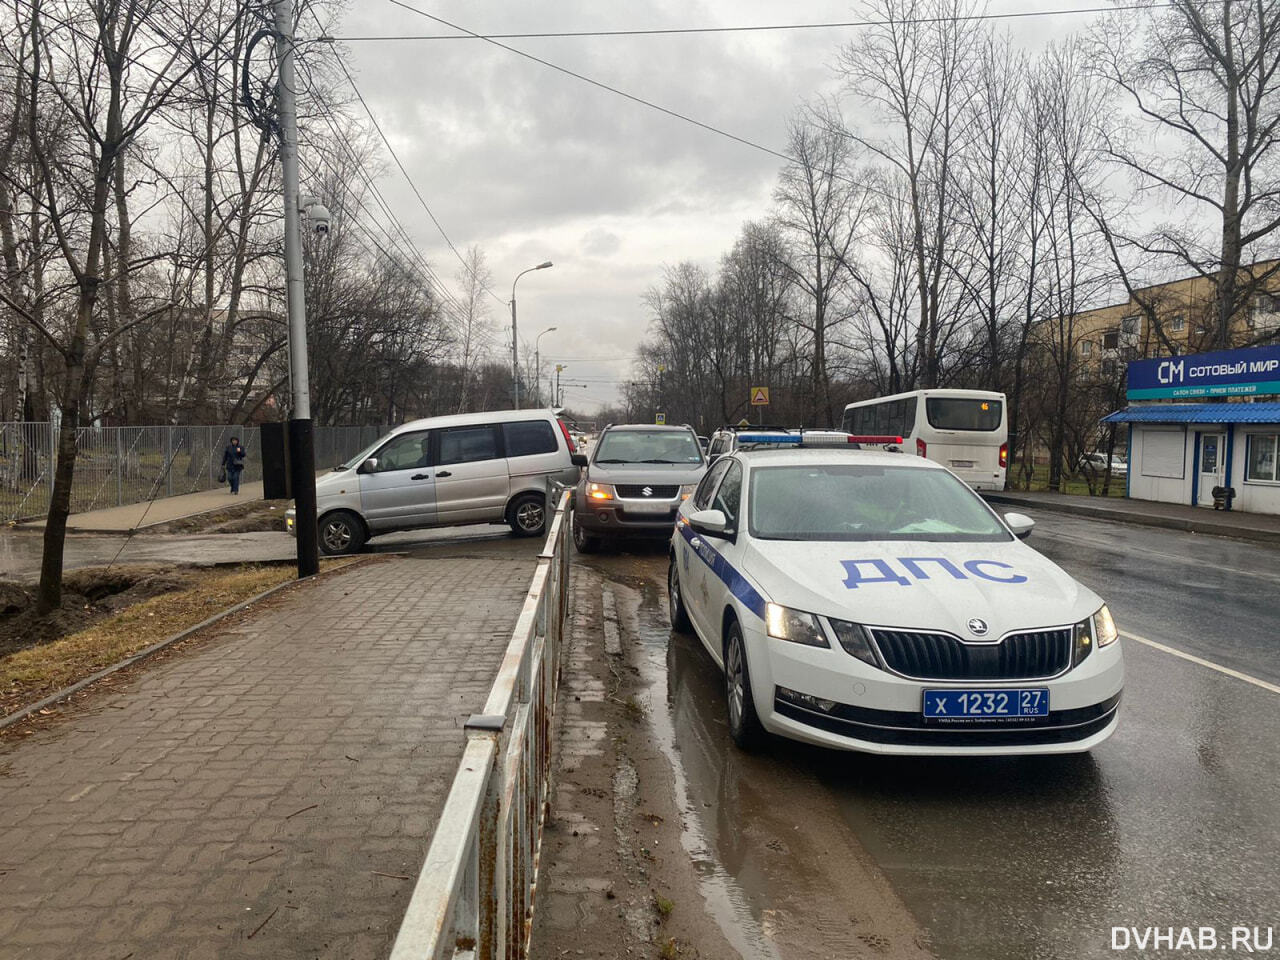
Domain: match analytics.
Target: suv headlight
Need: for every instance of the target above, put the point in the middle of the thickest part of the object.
(687, 491)
(853, 637)
(783, 623)
(600, 491)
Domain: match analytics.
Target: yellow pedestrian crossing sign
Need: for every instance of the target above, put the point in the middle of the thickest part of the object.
(660, 419)
(759, 396)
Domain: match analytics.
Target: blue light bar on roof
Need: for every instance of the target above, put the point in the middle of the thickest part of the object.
(779, 438)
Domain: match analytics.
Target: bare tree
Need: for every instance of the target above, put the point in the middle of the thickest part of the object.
(1204, 81)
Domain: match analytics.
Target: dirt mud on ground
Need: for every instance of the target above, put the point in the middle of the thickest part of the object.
(663, 839)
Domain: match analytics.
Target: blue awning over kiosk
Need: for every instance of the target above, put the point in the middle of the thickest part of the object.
(1198, 413)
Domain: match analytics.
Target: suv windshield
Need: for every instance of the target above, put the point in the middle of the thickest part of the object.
(864, 502)
(963, 413)
(648, 446)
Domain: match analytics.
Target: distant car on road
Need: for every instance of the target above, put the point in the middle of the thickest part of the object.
(636, 478)
(869, 600)
(1097, 463)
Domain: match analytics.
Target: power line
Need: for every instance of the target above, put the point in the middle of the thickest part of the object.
(756, 28)
(596, 83)
(413, 186)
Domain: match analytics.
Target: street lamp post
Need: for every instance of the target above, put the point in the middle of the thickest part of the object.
(515, 338)
(537, 364)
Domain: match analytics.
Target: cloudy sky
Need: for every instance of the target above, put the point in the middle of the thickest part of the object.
(533, 165)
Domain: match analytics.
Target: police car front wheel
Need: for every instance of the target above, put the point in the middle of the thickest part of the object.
(679, 615)
(744, 723)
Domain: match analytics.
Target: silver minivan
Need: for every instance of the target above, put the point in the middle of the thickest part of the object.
(443, 472)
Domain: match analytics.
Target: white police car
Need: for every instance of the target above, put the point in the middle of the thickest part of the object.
(867, 600)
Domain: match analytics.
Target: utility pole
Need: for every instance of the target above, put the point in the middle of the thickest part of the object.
(559, 398)
(302, 458)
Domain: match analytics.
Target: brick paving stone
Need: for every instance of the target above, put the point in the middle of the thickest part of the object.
(281, 768)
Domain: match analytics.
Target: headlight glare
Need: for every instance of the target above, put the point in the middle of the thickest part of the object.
(1104, 628)
(783, 623)
(853, 637)
(600, 491)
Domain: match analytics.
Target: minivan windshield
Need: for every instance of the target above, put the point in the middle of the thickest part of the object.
(648, 446)
(362, 456)
(866, 502)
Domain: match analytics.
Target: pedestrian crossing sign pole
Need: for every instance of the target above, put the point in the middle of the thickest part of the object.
(760, 400)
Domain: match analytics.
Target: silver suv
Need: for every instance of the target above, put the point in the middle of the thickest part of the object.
(636, 479)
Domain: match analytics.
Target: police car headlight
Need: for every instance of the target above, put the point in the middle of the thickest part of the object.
(783, 623)
(1104, 628)
(1097, 631)
(853, 637)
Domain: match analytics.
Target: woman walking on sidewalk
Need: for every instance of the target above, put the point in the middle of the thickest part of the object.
(233, 463)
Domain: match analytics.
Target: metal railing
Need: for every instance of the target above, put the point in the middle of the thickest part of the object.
(119, 465)
(474, 895)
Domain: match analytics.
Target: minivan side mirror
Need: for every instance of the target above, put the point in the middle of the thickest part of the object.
(369, 466)
(578, 459)
(1020, 525)
(710, 523)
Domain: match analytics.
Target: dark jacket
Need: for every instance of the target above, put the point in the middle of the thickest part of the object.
(233, 457)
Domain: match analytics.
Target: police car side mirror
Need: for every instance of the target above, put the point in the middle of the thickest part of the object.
(710, 523)
(578, 459)
(369, 466)
(1020, 524)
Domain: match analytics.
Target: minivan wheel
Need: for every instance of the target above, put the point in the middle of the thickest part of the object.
(341, 533)
(527, 515)
(744, 722)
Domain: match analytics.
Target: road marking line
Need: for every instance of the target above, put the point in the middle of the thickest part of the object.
(1202, 662)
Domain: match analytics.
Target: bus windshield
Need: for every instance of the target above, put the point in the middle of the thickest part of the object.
(964, 413)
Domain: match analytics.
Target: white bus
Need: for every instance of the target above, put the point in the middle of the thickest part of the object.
(964, 430)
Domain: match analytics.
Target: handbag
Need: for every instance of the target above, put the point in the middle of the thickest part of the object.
(222, 475)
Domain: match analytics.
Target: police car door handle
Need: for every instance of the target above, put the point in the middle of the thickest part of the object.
(424, 476)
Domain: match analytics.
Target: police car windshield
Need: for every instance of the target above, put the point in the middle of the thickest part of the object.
(866, 502)
(648, 446)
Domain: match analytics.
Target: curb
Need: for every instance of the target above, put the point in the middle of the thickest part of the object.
(1138, 519)
(65, 692)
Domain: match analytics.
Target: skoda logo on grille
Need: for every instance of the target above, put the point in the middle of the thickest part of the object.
(647, 491)
(978, 627)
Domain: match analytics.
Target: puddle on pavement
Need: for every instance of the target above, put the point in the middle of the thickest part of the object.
(732, 898)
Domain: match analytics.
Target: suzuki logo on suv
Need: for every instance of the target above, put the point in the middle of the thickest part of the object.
(647, 491)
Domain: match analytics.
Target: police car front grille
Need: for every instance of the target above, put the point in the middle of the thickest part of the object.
(636, 491)
(940, 656)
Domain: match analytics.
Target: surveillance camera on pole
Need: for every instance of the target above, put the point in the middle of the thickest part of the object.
(316, 214)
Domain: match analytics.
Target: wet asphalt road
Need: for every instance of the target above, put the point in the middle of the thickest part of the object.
(1175, 821)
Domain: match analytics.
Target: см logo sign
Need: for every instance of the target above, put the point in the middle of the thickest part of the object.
(1170, 371)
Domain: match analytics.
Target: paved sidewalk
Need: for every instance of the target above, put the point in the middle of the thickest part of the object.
(161, 510)
(271, 794)
(1223, 523)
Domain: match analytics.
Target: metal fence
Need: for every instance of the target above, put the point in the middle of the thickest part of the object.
(119, 465)
(474, 894)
